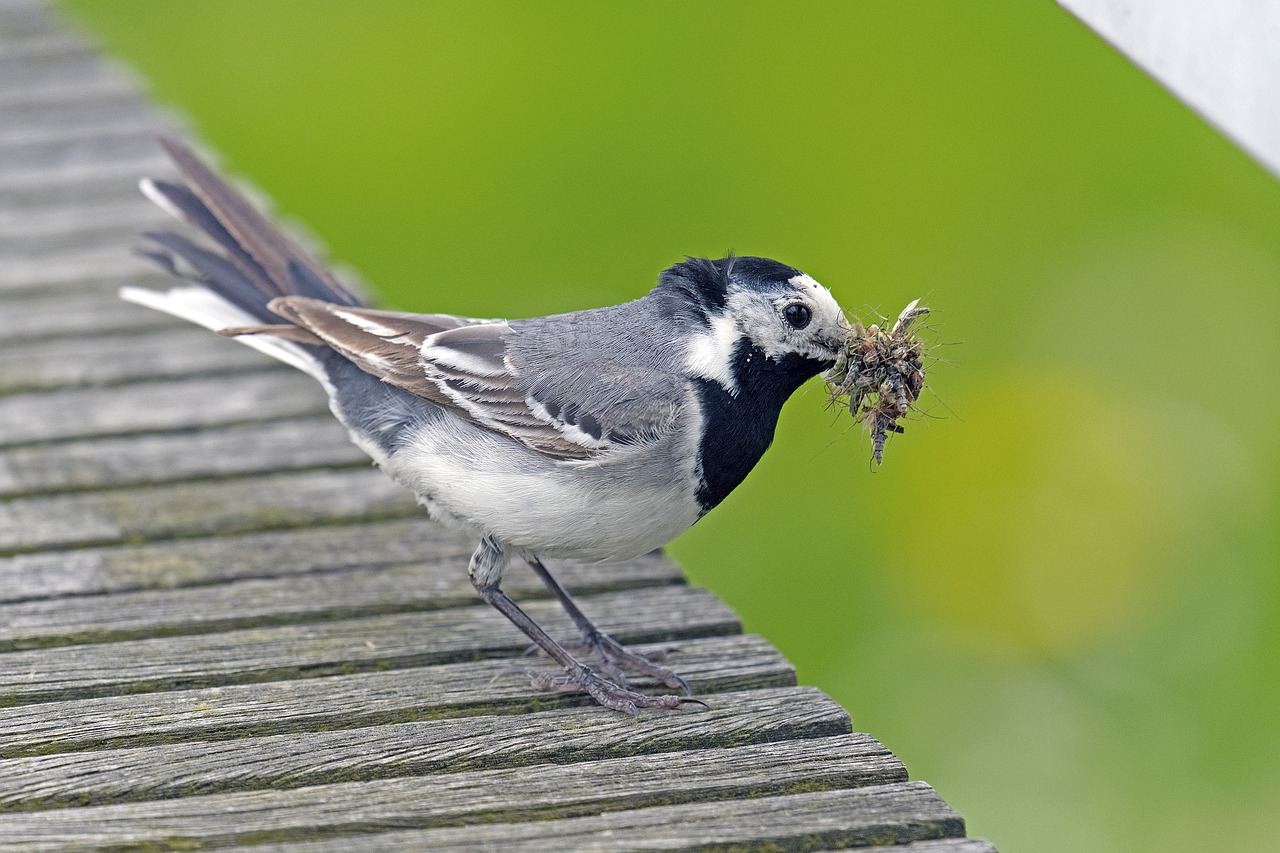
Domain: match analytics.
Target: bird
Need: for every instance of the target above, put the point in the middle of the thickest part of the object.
(596, 435)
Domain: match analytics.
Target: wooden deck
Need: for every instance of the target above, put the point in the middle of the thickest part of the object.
(219, 625)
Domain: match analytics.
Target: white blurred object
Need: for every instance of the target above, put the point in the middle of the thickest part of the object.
(1221, 57)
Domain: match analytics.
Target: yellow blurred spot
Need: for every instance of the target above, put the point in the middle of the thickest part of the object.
(1053, 527)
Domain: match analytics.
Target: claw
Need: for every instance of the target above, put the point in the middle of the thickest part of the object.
(621, 699)
(608, 693)
(614, 658)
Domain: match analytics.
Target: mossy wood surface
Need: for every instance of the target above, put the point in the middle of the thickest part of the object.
(220, 626)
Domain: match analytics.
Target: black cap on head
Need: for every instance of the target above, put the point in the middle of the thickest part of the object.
(704, 283)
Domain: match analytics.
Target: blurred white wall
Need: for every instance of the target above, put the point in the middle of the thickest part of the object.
(1221, 57)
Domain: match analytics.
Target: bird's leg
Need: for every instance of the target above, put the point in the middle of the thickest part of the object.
(613, 656)
(486, 568)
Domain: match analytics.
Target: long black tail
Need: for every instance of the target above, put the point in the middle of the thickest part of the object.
(250, 263)
(257, 262)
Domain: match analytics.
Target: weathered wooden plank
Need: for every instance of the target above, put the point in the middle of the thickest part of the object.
(55, 59)
(53, 47)
(709, 664)
(26, 121)
(92, 312)
(24, 19)
(168, 457)
(218, 559)
(938, 845)
(166, 405)
(97, 178)
(403, 749)
(857, 817)
(437, 579)
(200, 508)
(159, 354)
(243, 656)
(71, 182)
(134, 213)
(105, 96)
(73, 265)
(484, 796)
(109, 95)
(113, 143)
(85, 242)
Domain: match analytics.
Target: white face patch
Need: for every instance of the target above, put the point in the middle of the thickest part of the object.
(709, 354)
(759, 315)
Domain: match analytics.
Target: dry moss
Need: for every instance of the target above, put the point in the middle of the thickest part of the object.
(879, 375)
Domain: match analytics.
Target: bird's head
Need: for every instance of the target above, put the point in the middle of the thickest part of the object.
(739, 307)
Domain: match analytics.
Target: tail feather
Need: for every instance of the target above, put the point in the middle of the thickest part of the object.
(181, 203)
(204, 307)
(210, 270)
(234, 287)
(253, 233)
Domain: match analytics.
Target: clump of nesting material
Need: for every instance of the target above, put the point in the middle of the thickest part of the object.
(879, 375)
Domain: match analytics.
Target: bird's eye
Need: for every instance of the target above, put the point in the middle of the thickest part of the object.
(797, 314)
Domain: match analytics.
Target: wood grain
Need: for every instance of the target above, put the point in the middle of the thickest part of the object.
(343, 645)
(72, 314)
(453, 745)
(201, 508)
(857, 817)
(82, 181)
(709, 664)
(144, 355)
(890, 817)
(63, 266)
(435, 580)
(69, 109)
(152, 406)
(219, 559)
(535, 793)
(156, 458)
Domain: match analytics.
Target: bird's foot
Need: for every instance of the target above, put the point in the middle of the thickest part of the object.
(620, 658)
(607, 693)
(615, 659)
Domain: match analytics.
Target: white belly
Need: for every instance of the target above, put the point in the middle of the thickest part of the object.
(627, 505)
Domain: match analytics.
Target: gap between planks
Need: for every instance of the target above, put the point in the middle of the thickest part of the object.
(540, 792)
(160, 405)
(143, 355)
(436, 580)
(876, 816)
(431, 747)
(221, 559)
(714, 664)
(163, 458)
(651, 614)
(201, 508)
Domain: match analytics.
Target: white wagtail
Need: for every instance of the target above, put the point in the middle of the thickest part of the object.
(597, 435)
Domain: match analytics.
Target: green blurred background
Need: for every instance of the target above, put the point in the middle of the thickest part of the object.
(1057, 602)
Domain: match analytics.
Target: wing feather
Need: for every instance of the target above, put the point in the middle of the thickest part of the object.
(462, 365)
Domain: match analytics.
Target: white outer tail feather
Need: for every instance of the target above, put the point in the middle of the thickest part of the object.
(201, 306)
(153, 194)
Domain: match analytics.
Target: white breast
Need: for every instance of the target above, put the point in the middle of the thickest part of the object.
(631, 502)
